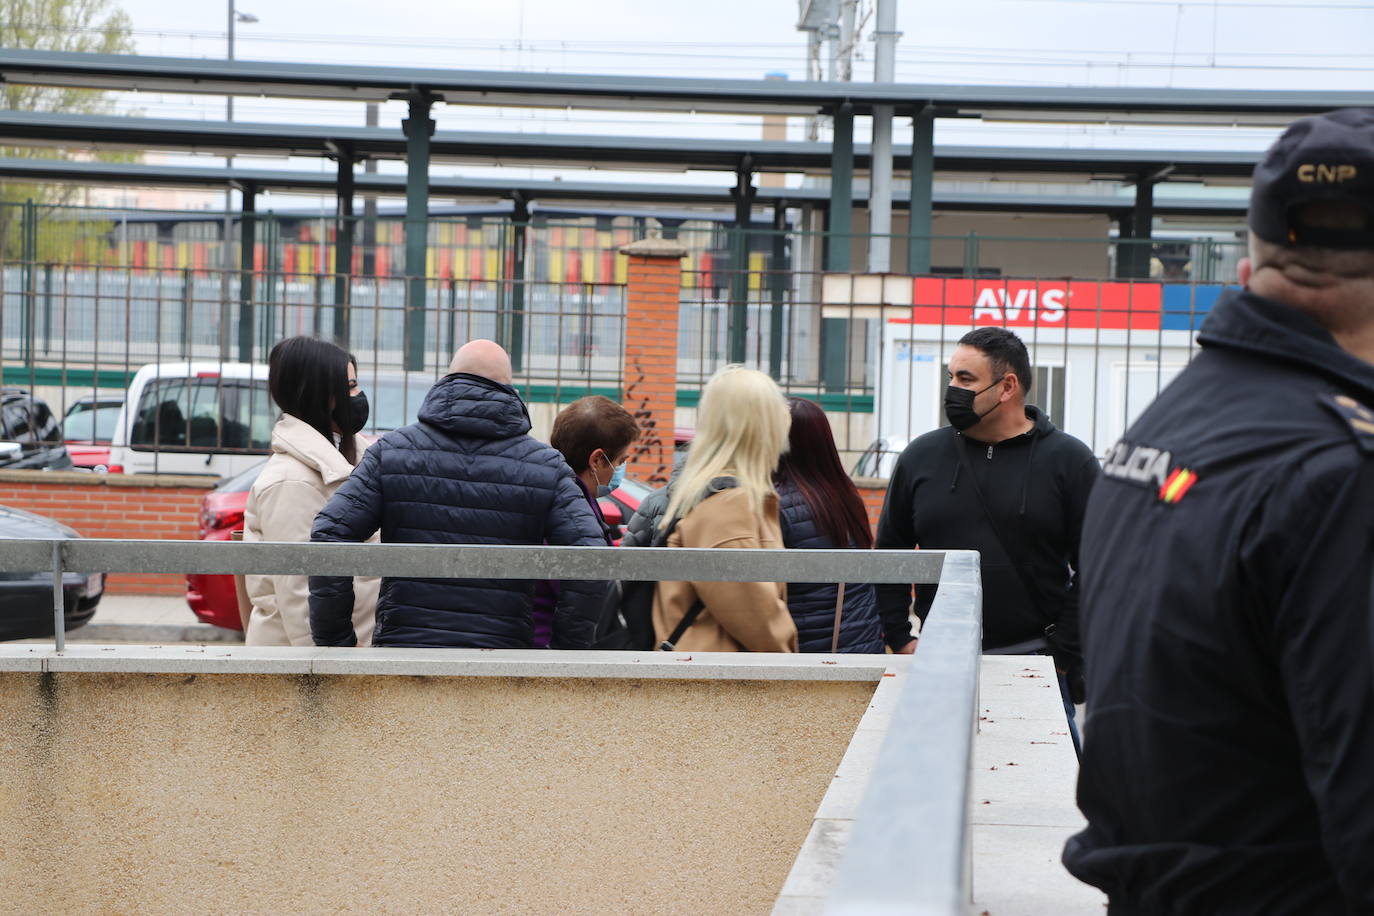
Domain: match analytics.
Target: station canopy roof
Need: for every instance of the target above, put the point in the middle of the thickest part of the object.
(105, 132)
(610, 194)
(1218, 107)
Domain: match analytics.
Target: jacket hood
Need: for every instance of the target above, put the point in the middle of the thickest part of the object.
(475, 407)
(1043, 424)
(297, 439)
(1242, 320)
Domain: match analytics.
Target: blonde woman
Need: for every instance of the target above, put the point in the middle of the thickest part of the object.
(724, 498)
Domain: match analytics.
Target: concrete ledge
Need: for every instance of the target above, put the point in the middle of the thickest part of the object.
(149, 634)
(1022, 805)
(91, 479)
(523, 663)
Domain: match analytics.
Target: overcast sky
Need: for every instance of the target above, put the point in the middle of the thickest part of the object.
(1322, 44)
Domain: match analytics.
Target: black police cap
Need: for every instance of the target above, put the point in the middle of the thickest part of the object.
(1329, 157)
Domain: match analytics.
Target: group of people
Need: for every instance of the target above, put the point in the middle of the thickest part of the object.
(1224, 575)
(762, 472)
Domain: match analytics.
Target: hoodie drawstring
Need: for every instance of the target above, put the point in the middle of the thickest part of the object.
(1025, 480)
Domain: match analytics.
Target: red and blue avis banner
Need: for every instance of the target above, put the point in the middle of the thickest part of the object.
(1038, 303)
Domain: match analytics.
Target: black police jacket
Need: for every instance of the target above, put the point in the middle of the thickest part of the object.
(1228, 757)
(467, 473)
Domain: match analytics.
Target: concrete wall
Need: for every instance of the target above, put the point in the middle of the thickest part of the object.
(179, 791)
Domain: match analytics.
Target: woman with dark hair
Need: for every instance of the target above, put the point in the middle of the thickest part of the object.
(315, 446)
(820, 509)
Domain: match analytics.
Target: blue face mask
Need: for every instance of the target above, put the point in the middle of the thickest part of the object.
(617, 478)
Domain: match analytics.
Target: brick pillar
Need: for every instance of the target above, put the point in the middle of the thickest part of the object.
(651, 316)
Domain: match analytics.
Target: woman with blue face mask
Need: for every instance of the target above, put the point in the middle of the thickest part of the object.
(594, 434)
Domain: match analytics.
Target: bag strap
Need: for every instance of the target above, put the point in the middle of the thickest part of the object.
(670, 644)
(1032, 590)
(839, 613)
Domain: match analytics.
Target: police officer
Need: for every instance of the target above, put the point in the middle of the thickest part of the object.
(1227, 578)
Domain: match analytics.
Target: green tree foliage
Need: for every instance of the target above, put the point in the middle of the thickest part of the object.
(90, 26)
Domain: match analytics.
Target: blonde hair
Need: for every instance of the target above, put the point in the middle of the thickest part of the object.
(742, 426)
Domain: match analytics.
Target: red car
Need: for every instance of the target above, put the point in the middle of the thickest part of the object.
(89, 424)
(212, 597)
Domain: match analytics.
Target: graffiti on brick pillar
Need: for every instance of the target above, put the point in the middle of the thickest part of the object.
(649, 447)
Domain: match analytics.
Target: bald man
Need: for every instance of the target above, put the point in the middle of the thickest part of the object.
(467, 473)
(485, 358)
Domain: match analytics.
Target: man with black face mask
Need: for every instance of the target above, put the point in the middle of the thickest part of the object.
(1002, 480)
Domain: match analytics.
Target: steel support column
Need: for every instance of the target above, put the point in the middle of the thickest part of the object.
(839, 238)
(779, 273)
(247, 250)
(520, 223)
(419, 128)
(343, 246)
(1125, 231)
(743, 192)
(922, 213)
(1143, 221)
(839, 242)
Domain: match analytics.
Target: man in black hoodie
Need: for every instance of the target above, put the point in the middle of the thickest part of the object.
(1227, 559)
(1002, 480)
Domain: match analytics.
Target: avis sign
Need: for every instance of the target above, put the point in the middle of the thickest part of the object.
(1035, 303)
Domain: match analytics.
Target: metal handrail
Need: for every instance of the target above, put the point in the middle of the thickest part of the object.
(437, 561)
(910, 850)
(473, 561)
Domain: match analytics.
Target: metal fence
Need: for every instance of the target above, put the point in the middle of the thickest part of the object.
(154, 286)
(919, 791)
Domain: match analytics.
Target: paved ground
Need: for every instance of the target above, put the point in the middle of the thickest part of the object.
(148, 620)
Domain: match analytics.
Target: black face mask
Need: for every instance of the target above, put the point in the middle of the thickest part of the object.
(357, 413)
(959, 406)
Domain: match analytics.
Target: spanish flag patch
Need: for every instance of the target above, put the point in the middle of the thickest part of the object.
(1177, 485)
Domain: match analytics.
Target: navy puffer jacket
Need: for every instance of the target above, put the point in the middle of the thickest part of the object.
(466, 473)
(812, 603)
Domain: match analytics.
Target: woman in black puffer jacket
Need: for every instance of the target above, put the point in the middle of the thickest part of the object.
(820, 508)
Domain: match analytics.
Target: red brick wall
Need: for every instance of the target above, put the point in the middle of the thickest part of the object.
(114, 506)
(874, 492)
(651, 319)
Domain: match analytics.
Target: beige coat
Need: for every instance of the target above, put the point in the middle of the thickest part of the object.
(304, 471)
(737, 616)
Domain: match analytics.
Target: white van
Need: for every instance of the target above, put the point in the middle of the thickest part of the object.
(216, 418)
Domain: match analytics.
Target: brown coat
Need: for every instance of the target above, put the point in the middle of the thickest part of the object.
(738, 616)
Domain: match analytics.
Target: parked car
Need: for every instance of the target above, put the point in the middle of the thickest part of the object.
(212, 598)
(89, 425)
(28, 421)
(880, 457)
(26, 606)
(216, 418)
